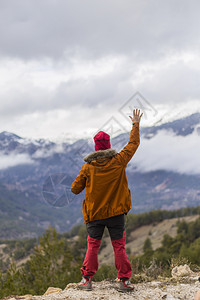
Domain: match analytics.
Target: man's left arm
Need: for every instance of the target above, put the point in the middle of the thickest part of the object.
(79, 183)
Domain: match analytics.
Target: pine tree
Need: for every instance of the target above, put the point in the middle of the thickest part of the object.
(147, 246)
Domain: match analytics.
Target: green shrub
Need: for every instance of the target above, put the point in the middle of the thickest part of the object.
(105, 272)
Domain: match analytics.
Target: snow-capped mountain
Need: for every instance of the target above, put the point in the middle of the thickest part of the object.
(10, 143)
(164, 172)
(183, 126)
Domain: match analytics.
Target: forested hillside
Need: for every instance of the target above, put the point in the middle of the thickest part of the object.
(31, 266)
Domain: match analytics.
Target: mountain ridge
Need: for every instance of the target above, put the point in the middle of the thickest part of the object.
(178, 126)
(154, 189)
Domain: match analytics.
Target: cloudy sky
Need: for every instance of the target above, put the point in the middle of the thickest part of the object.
(68, 67)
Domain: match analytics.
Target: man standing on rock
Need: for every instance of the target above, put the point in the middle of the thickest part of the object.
(107, 199)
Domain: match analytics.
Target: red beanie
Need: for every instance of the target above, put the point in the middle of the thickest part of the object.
(102, 141)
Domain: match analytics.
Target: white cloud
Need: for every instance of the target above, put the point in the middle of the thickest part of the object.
(79, 61)
(12, 160)
(49, 28)
(43, 153)
(166, 151)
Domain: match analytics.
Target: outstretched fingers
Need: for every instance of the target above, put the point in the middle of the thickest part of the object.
(136, 115)
(136, 112)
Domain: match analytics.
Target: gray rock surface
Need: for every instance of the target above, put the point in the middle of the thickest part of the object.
(143, 291)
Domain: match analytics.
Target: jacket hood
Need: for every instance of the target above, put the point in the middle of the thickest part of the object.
(100, 154)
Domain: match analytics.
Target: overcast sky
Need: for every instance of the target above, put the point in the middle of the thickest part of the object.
(68, 67)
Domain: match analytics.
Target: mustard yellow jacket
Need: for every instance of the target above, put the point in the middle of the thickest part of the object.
(104, 176)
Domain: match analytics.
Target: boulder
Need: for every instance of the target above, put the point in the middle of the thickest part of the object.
(52, 290)
(71, 285)
(181, 271)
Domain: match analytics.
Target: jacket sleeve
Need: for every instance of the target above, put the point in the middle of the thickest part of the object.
(128, 151)
(79, 183)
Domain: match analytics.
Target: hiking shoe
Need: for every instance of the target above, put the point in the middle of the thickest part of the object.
(125, 286)
(85, 284)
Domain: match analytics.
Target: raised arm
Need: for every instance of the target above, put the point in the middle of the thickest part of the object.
(128, 151)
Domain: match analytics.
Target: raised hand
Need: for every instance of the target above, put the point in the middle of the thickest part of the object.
(136, 116)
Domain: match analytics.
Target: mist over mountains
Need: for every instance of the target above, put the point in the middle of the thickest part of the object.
(164, 173)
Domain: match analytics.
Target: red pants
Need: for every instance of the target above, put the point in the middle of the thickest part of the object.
(122, 264)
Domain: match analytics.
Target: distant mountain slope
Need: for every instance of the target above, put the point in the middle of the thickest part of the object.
(26, 164)
(137, 237)
(24, 215)
(183, 127)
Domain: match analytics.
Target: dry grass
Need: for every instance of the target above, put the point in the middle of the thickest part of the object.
(138, 236)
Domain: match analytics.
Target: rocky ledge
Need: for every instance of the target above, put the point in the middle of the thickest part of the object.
(183, 285)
